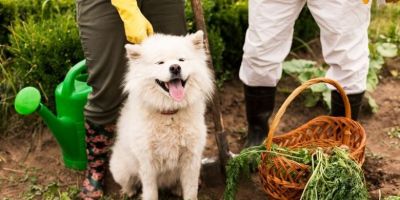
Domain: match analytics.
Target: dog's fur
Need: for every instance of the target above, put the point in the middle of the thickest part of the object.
(162, 150)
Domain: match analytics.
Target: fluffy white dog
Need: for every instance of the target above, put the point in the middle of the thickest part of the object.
(161, 132)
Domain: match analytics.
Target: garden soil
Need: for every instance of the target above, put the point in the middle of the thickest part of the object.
(31, 157)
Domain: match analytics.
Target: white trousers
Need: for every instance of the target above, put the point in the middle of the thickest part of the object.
(344, 38)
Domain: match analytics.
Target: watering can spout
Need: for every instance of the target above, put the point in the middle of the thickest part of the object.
(28, 101)
(50, 119)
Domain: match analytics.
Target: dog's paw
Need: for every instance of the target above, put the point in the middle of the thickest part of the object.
(128, 192)
(177, 190)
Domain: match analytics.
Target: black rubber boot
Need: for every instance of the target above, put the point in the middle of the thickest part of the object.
(338, 106)
(259, 107)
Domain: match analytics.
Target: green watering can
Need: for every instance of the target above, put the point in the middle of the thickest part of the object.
(68, 126)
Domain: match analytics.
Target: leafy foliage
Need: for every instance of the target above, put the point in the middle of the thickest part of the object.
(385, 47)
(241, 164)
(50, 192)
(304, 70)
(384, 44)
(222, 17)
(39, 41)
(306, 29)
(12, 10)
(7, 87)
(227, 22)
(250, 158)
(394, 132)
(335, 177)
(44, 50)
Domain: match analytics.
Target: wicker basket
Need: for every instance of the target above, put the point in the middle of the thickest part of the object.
(283, 178)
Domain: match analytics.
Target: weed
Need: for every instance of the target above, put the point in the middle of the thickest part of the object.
(51, 191)
(394, 132)
(304, 70)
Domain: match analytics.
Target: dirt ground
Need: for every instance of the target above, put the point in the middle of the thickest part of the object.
(30, 156)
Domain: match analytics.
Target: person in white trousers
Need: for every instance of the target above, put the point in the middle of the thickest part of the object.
(344, 38)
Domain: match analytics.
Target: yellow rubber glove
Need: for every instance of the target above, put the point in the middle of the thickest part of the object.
(137, 27)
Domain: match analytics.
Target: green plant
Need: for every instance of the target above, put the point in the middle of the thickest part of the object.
(12, 10)
(333, 174)
(336, 176)
(394, 132)
(44, 50)
(8, 87)
(222, 17)
(304, 70)
(38, 42)
(227, 22)
(384, 33)
(383, 48)
(306, 29)
(50, 192)
(385, 21)
(231, 18)
(241, 164)
(250, 158)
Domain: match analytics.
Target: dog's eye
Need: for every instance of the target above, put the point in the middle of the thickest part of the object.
(160, 62)
(181, 59)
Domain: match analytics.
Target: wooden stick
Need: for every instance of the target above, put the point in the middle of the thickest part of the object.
(220, 135)
(13, 170)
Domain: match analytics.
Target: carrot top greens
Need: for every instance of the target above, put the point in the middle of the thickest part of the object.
(333, 176)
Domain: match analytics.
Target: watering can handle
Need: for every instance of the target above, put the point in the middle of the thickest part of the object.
(69, 81)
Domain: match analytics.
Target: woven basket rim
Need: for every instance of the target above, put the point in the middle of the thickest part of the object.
(318, 118)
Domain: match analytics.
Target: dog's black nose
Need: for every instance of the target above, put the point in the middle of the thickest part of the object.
(175, 69)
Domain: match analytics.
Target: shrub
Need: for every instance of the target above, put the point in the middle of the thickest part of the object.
(7, 88)
(305, 29)
(44, 50)
(11, 10)
(227, 22)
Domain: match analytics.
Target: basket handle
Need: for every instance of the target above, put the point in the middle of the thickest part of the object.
(294, 94)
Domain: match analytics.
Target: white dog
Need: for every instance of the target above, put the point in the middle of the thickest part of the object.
(161, 132)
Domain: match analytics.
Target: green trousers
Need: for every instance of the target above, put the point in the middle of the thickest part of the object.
(103, 38)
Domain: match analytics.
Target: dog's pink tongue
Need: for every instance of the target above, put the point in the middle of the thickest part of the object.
(176, 90)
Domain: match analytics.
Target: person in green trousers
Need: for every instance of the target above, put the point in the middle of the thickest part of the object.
(105, 27)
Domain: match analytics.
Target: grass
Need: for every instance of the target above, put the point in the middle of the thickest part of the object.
(50, 192)
(8, 87)
(385, 20)
(394, 132)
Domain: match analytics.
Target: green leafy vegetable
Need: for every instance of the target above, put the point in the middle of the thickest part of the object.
(250, 158)
(335, 177)
(304, 70)
(388, 50)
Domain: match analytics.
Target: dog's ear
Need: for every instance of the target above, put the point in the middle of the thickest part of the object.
(197, 39)
(133, 51)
